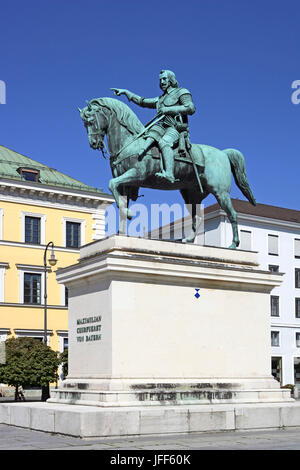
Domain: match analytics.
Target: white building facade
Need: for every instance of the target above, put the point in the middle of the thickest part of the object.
(274, 233)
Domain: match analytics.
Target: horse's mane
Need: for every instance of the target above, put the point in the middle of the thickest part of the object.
(125, 115)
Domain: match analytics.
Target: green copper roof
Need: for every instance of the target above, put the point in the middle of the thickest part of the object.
(10, 161)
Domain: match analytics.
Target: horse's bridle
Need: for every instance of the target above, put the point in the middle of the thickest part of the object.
(97, 128)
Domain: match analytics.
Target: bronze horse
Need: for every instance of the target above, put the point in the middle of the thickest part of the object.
(113, 118)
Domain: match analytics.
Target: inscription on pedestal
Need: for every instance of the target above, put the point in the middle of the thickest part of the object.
(91, 325)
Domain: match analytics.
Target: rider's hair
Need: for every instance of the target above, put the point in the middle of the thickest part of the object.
(171, 77)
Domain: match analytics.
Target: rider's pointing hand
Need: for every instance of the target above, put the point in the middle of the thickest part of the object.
(119, 91)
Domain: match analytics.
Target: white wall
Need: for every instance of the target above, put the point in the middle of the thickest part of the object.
(287, 324)
(218, 232)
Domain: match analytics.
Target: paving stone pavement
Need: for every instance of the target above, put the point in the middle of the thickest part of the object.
(15, 438)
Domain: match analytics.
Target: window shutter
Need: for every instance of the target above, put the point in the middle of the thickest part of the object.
(297, 278)
(245, 240)
(297, 307)
(273, 244)
(275, 338)
(274, 306)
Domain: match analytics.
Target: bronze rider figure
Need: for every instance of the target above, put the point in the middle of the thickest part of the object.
(175, 104)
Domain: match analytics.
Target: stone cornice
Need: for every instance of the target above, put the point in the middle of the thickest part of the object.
(4, 265)
(44, 195)
(128, 259)
(36, 247)
(255, 219)
(32, 331)
(32, 267)
(286, 325)
(41, 306)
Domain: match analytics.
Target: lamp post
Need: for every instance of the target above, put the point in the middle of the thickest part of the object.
(52, 261)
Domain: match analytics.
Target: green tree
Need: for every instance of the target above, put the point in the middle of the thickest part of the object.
(28, 363)
(64, 361)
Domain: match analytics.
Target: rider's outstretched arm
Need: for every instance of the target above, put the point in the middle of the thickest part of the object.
(140, 101)
(144, 102)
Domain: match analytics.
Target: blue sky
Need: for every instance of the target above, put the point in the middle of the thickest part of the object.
(238, 59)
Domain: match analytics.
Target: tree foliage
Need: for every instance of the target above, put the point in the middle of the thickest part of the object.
(28, 363)
(64, 361)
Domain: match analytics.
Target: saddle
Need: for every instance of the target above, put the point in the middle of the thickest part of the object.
(184, 151)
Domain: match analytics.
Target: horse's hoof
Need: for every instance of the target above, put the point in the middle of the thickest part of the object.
(233, 246)
(188, 240)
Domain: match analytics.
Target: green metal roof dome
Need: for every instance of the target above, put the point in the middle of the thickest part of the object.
(11, 162)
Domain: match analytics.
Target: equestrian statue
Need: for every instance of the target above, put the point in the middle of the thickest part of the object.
(160, 154)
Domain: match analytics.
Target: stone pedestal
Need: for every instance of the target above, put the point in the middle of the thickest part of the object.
(164, 338)
(162, 323)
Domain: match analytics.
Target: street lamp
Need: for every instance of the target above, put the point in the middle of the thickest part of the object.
(52, 261)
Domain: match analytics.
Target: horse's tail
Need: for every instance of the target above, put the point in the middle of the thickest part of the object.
(237, 163)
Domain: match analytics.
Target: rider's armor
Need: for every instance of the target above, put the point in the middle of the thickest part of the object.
(167, 131)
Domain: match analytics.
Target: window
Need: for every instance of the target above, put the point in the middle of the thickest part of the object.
(297, 278)
(66, 296)
(32, 288)
(298, 340)
(29, 174)
(273, 244)
(245, 240)
(65, 343)
(31, 283)
(32, 229)
(3, 266)
(1, 224)
(277, 368)
(38, 335)
(62, 340)
(274, 306)
(4, 332)
(297, 307)
(273, 268)
(73, 234)
(275, 338)
(297, 247)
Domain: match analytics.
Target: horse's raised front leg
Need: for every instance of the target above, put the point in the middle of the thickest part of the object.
(122, 201)
(225, 203)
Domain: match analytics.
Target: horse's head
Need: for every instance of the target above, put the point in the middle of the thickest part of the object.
(95, 123)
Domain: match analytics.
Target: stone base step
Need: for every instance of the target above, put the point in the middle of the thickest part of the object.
(159, 397)
(92, 421)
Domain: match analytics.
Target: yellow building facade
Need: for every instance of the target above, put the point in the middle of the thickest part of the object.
(39, 205)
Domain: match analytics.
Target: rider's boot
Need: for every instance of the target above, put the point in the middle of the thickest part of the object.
(168, 158)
